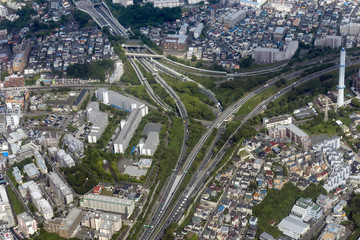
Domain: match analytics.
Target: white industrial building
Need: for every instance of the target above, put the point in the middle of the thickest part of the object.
(263, 55)
(328, 41)
(74, 145)
(105, 224)
(107, 203)
(198, 30)
(61, 189)
(150, 145)
(128, 128)
(40, 162)
(293, 228)
(234, 17)
(98, 119)
(64, 159)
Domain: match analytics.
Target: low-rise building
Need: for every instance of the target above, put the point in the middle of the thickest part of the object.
(325, 202)
(279, 120)
(31, 170)
(27, 223)
(293, 228)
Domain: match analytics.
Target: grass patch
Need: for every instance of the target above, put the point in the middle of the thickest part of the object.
(140, 92)
(195, 101)
(129, 75)
(46, 236)
(15, 203)
(256, 100)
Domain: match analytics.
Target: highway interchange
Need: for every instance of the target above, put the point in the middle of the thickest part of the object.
(167, 213)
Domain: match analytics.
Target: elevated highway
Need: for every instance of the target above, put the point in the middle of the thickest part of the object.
(160, 225)
(102, 16)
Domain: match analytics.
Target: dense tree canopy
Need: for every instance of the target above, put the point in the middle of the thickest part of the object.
(94, 70)
(145, 15)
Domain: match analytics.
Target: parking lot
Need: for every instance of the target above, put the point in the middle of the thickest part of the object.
(57, 122)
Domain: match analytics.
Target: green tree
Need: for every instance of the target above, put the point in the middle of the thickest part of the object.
(355, 102)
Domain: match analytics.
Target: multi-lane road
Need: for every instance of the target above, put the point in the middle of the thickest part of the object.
(157, 231)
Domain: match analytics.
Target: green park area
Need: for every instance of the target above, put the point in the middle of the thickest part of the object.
(15, 203)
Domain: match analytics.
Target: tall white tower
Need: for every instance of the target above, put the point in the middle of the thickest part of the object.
(341, 86)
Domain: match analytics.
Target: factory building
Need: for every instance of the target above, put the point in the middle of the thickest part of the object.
(99, 121)
(61, 189)
(107, 203)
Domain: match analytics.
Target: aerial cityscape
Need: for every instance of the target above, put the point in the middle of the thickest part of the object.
(180, 119)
